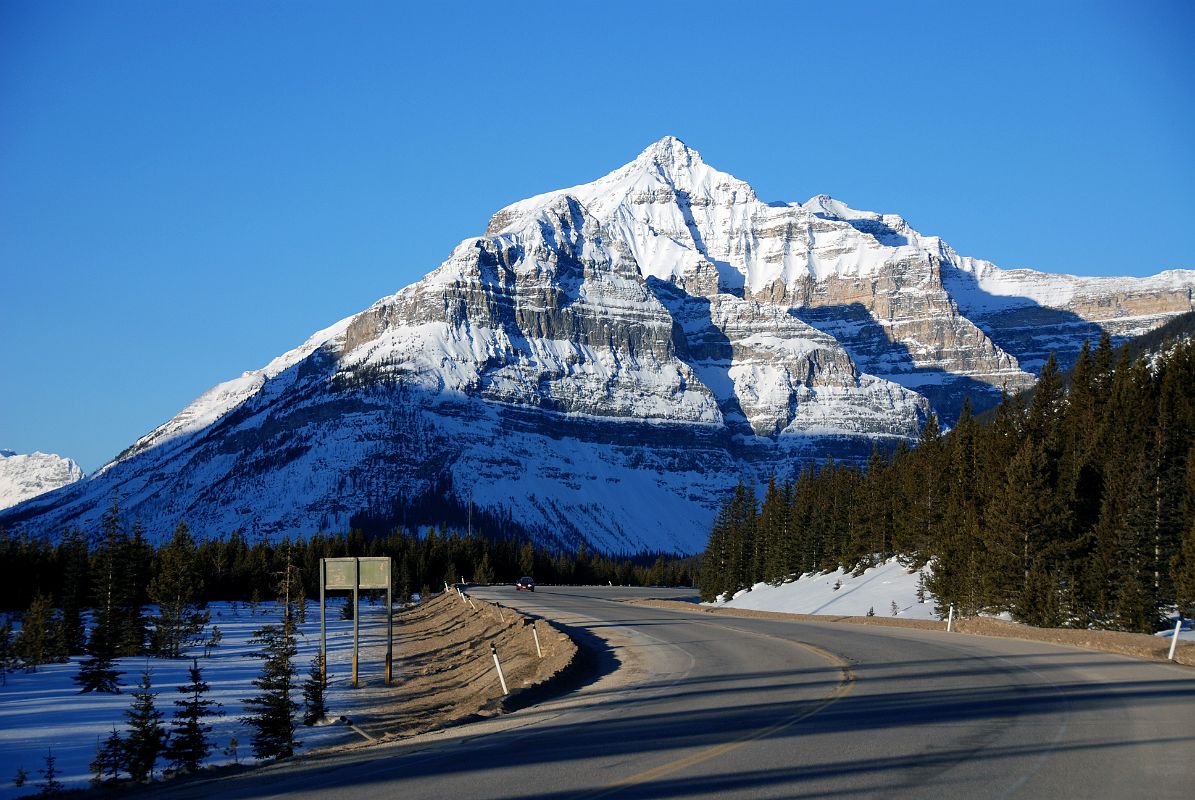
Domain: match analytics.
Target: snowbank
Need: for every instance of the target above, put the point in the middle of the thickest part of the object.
(841, 593)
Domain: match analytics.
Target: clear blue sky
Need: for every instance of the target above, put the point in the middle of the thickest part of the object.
(188, 189)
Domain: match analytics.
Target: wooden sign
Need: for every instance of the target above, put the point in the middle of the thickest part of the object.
(354, 574)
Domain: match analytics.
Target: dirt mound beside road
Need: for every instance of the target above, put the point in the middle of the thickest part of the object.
(444, 671)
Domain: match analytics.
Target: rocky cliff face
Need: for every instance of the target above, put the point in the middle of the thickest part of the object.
(26, 476)
(605, 363)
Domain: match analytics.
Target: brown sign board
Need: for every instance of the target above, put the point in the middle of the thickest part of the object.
(339, 573)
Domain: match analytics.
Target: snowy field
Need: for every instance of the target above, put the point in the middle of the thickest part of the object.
(44, 711)
(888, 590)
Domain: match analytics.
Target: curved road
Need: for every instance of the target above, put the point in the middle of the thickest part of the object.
(698, 705)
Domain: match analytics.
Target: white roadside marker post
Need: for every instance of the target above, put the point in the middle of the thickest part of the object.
(498, 666)
(950, 619)
(535, 635)
(1178, 626)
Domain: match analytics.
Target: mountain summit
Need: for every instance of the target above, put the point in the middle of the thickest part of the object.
(605, 363)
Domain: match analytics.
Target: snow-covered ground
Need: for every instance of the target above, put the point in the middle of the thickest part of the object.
(43, 710)
(842, 593)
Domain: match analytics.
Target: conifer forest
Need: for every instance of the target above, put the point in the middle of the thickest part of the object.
(144, 599)
(1070, 505)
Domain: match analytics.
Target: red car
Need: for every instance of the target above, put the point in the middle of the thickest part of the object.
(525, 584)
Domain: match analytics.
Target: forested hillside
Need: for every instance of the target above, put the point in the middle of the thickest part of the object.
(115, 569)
(1072, 506)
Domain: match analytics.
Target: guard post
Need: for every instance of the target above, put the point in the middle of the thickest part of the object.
(354, 574)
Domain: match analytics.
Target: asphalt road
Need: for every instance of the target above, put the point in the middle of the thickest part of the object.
(696, 705)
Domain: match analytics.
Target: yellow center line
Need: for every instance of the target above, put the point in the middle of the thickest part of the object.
(843, 688)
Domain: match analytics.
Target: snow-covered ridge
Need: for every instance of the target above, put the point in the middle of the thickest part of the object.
(223, 397)
(26, 476)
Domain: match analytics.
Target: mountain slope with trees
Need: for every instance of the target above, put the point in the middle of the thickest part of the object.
(1074, 505)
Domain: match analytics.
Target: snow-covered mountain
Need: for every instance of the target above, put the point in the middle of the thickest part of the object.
(605, 362)
(26, 476)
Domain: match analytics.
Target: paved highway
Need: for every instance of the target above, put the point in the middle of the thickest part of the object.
(687, 705)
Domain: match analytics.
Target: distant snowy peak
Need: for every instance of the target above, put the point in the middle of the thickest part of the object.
(26, 476)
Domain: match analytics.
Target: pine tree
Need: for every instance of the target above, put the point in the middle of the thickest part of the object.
(111, 759)
(233, 749)
(484, 572)
(97, 672)
(50, 785)
(34, 643)
(272, 716)
(314, 687)
(109, 593)
(716, 560)
(189, 742)
(526, 559)
(213, 640)
(146, 737)
(8, 657)
(1183, 569)
(176, 588)
(73, 560)
(289, 586)
(739, 571)
(133, 624)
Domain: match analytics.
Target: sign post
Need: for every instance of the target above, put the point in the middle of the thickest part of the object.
(354, 574)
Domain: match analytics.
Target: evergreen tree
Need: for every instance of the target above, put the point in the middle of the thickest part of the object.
(133, 625)
(484, 572)
(73, 564)
(289, 585)
(527, 559)
(35, 643)
(8, 656)
(314, 687)
(176, 588)
(97, 672)
(272, 716)
(190, 741)
(919, 493)
(50, 785)
(739, 570)
(771, 532)
(213, 640)
(110, 587)
(146, 738)
(715, 563)
(111, 759)
(1184, 574)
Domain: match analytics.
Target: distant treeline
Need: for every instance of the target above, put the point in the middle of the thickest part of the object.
(1073, 505)
(233, 568)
